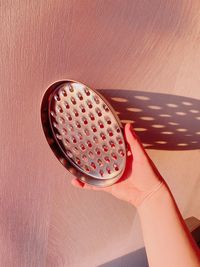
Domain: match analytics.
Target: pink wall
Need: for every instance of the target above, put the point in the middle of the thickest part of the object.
(130, 45)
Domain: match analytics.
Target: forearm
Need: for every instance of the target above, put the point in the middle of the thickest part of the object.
(168, 242)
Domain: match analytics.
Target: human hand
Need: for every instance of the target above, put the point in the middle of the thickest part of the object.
(140, 178)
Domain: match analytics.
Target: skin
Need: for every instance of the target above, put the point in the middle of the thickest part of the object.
(167, 240)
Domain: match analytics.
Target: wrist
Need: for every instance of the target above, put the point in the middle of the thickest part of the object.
(157, 196)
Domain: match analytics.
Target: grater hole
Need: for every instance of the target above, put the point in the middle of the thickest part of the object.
(98, 111)
(69, 117)
(83, 147)
(98, 151)
(95, 139)
(114, 156)
(71, 89)
(108, 170)
(59, 109)
(107, 159)
(91, 154)
(84, 157)
(112, 144)
(103, 137)
(85, 121)
(91, 116)
(64, 93)
(119, 140)
(71, 127)
(56, 97)
(66, 105)
(74, 140)
(80, 96)
(87, 92)
(121, 152)
(101, 124)
(96, 99)
(87, 169)
(105, 107)
(67, 140)
(99, 161)
(105, 148)
(64, 131)
(116, 167)
(78, 124)
(94, 129)
(82, 108)
(93, 165)
(69, 154)
(89, 144)
(76, 113)
(62, 120)
(73, 100)
(108, 121)
(78, 161)
(110, 132)
(87, 132)
(89, 103)
(80, 136)
(101, 172)
(75, 149)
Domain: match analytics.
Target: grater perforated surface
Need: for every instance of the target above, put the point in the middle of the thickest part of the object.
(86, 129)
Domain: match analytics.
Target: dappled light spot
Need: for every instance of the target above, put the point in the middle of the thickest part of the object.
(165, 115)
(173, 123)
(155, 107)
(188, 135)
(147, 118)
(134, 109)
(119, 99)
(198, 133)
(146, 145)
(181, 130)
(127, 121)
(181, 113)
(141, 97)
(182, 144)
(167, 132)
(198, 118)
(140, 129)
(128, 153)
(161, 142)
(194, 111)
(186, 103)
(158, 126)
(172, 105)
(117, 112)
(194, 142)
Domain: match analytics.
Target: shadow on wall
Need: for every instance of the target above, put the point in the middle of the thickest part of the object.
(162, 121)
(137, 258)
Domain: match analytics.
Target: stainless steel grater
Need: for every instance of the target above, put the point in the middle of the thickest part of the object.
(84, 132)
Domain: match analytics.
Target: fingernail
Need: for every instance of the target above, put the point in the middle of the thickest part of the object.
(132, 131)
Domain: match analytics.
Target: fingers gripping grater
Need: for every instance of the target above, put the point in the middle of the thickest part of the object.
(84, 132)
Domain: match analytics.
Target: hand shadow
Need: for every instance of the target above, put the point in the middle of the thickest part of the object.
(162, 121)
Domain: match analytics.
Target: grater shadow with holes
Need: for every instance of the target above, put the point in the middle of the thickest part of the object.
(84, 132)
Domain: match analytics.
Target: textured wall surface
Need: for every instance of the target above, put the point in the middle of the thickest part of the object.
(119, 47)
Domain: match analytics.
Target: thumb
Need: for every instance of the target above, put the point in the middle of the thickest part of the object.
(135, 144)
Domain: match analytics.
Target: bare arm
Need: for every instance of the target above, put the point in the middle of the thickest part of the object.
(167, 239)
(168, 242)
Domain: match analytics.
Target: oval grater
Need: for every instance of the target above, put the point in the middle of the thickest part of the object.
(84, 132)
